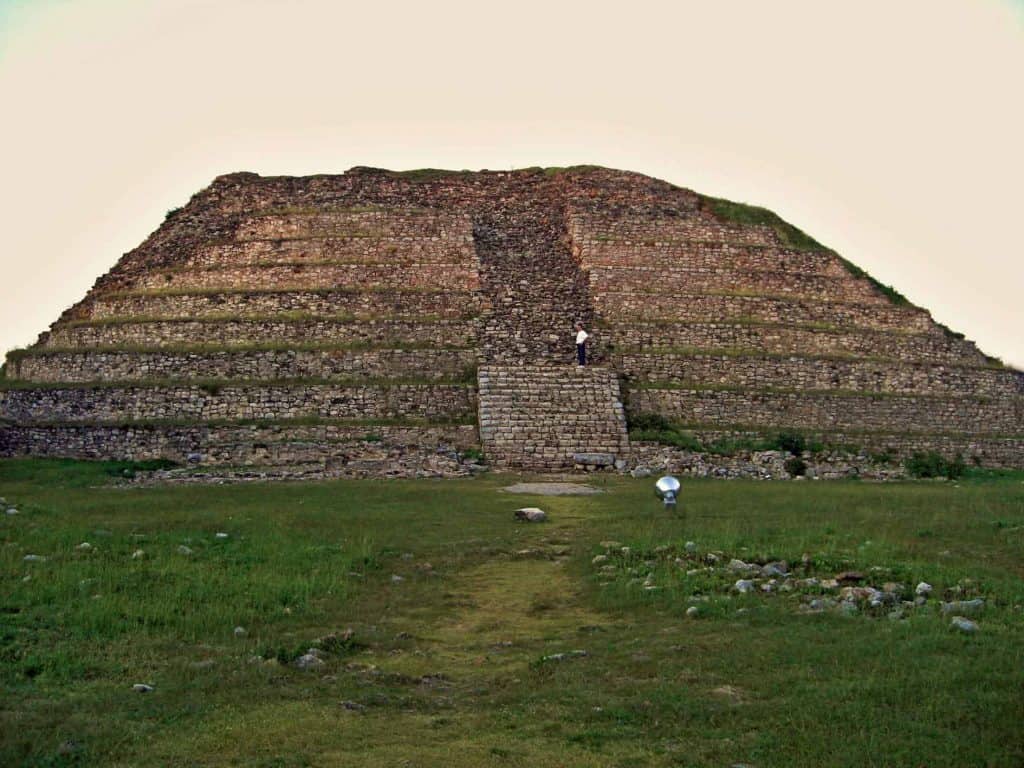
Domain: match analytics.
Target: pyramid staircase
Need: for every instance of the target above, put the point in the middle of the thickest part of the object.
(537, 409)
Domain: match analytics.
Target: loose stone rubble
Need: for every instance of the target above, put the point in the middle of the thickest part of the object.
(703, 576)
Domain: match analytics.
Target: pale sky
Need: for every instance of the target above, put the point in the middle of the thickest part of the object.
(890, 131)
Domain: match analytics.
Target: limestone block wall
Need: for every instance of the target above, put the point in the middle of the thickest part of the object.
(864, 375)
(311, 275)
(985, 450)
(655, 229)
(726, 307)
(540, 416)
(166, 333)
(832, 410)
(908, 347)
(351, 250)
(653, 279)
(237, 401)
(391, 222)
(393, 302)
(279, 445)
(246, 364)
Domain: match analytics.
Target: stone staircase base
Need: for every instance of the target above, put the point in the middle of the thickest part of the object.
(544, 418)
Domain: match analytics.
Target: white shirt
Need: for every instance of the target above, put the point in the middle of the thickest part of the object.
(581, 337)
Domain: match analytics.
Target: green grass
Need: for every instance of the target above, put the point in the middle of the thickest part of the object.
(752, 215)
(452, 663)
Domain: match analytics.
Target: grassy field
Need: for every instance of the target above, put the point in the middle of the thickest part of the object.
(447, 631)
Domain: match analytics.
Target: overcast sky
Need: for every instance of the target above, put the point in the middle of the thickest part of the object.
(890, 131)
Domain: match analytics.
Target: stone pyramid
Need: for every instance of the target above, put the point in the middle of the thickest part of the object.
(383, 323)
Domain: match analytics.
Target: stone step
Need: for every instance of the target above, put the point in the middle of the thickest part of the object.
(657, 337)
(390, 222)
(394, 251)
(693, 306)
(460, 276)
(327, 331)
(813, 372)
(87, 403)
(392, 303)
(711, 256)
(671, 279)
(832, 410)
(247, 364)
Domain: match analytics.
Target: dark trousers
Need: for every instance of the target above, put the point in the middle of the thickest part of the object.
(581, 354)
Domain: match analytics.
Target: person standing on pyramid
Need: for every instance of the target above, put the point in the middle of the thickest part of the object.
(581, 344)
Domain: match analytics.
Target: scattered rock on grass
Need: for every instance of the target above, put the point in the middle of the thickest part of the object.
(183, 550)
(240, 632)
(142, 688)
(85, 546)
(531, 515)
(309, 660)
(923, 589)
(964, 624)
(138, 554)
(553, 489)
(220, 535)
(34, 559)
(578, 654)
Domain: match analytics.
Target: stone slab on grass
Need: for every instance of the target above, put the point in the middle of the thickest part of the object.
(553, 489)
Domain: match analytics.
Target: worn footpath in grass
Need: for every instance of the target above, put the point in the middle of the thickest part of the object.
(477, 640)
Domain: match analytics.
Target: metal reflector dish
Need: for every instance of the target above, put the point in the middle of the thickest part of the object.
(667, 489)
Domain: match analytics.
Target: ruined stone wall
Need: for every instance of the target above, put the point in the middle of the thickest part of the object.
(391, 302)
(233, 401)
(275, 364)
(783, 339)
(310, 275)
(725, 308)
(859, 460)
(832, 410)
(360, 449)
(862, 375)
(226, 332)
